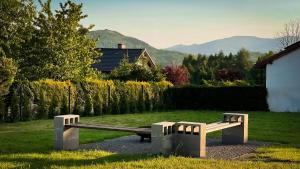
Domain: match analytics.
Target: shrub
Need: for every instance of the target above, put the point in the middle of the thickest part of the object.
(115, 104)
(42, 112)
(27, 111)
(98, 103)
(124, 102)
(178, 75)
(14, 107)
(64, 106)
(212, 83)
(127, 71)
(77, 106)
(53, 107)
(141, 100)
(88, 105)
(2, 110)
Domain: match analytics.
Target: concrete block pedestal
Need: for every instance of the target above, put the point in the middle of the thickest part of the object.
(161, 137)
(66, 138)
(238, 134)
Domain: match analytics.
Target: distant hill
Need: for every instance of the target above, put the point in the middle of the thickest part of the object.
(110, 39)
(232, 44)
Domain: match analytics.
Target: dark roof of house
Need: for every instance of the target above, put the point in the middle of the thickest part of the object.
(111, 57)
(288, 49)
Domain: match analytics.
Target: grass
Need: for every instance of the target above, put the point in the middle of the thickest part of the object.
(30, 144)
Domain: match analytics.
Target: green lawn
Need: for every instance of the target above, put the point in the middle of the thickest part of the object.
(30, 144)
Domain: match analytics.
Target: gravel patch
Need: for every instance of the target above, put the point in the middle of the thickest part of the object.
(214, 147)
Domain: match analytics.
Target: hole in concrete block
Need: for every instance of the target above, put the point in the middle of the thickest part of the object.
(239, 119)
(180, 129)
(226, 118)
(165, 131)
(196, 130)
(76, 119)
(66, 121)
(71, 120)
(188, 129)
(173, 129)
(169, 129)
(232, 118)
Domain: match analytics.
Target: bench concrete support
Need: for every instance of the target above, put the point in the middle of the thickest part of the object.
(190, 139)
(237, 134)
(66, 138)
(161, 137)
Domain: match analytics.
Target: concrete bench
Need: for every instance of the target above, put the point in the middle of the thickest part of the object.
(182, 138)
(189, 138)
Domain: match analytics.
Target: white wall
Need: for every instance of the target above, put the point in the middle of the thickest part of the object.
(283, 83)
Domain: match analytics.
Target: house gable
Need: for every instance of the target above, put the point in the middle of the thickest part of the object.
(112, 57)
(145, 60)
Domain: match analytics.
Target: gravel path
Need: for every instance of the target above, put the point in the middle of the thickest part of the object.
(215, 150)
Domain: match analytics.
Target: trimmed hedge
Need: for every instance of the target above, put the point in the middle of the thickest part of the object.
(219, 98)
(47, 98)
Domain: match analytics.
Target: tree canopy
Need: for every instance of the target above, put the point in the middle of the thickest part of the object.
(59, 48)
(47, 43)
(16, 26)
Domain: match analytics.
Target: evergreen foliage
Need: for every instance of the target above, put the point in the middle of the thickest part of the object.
(26, 109)
(98, 105)
(78, 106)
(64, 106)
(42, 112)
(2, 110)
(48, 98)
(88, 105)
(53, 107)
(221, 67)
(14, 107)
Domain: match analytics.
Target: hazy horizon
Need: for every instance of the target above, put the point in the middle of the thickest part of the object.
(171, 22)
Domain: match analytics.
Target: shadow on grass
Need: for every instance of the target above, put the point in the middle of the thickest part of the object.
(69, 158)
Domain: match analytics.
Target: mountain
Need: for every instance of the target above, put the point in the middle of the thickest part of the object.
(231, 44)
(110, 39)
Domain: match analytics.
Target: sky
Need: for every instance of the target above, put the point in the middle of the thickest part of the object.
(164, 23)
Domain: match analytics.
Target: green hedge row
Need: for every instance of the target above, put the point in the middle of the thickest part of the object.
(219, 98)
(47, 98)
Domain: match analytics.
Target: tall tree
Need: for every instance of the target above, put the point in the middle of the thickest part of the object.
(243, 62)
(16, 26)
(290, 33)
(59, 48)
